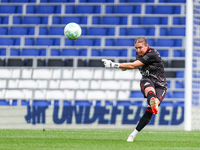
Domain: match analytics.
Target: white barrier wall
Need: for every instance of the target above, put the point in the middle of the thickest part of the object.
(116, 117)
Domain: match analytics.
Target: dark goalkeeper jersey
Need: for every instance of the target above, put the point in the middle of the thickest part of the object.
(153, 68)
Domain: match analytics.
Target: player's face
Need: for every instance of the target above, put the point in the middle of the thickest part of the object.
(141, 48)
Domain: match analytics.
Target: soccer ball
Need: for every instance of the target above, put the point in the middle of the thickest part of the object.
(72, 31)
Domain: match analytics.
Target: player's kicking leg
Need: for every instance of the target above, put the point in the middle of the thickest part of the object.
(142, 123)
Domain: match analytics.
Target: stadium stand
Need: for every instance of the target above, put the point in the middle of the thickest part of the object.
(38, 62)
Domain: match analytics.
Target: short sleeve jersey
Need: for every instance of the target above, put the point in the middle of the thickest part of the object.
(153, 68)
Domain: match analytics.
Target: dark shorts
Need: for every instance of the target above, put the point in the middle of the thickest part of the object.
(160, 92)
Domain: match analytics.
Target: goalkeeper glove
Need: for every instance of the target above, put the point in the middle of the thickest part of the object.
(110, 64)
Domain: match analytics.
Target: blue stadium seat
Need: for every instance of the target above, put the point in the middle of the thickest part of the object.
(135, 20)
(96, 20)
(110, 31)
(124, 42)
(179, 21)
(82, 52)
(136, 94)
(123, 20)
(45, 9)
(56, 31)
(31, 31)
(16, 41)
(35, 20)
(54, 52)
(13, 52)
(44, 42)
(29, 41)
(178, 43)
(110, 52)
(178, 95)
(109, 42)
(164, 10)
(18, 31)
(97, 31)
(95, 52)
(114, 20)
(111, 20)
(87, 9)
(109, 9)
(3, 30)
(154, 20)
(56, 42)
(123, 31)
(176, 1)
(150, 42)
(179, 53)
(4, 102)
(43, 31)
(84, 42)
(163, 31)
(179, 84)
(60, 1)
(150, 20)
(97, 42)
(69, 52)
(17, 20)
(84, 31)
(128, 9)
(9, 9)
(137, 31)
(149, 9)
(133, 53)
(4, 20)
(30, 52)
(97, 1)
(2, 50)
(69, 42)
(177, 10)
(133, 1)
(177, 32)
(123, 52)
(165, 42)
(150, 31)
(19, 1)
(180, 74)
(78, 20)
(169, 84)
(4, 1)
(30, 9)
(69, 9)
(7, 41)
(163, 20)
(163, 53)
(56, 20)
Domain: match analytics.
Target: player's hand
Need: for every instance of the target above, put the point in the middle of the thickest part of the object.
(110, 64)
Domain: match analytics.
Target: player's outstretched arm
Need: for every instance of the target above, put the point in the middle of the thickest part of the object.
(123, 66)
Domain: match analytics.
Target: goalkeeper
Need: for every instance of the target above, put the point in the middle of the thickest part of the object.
(153, 83)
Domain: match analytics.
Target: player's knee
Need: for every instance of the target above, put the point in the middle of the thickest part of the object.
(150, 94)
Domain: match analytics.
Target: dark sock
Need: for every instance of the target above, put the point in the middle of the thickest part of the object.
(145, 119)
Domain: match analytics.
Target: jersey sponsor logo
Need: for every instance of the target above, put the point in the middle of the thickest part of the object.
(146, 57)
(147, 83)
(144, 73)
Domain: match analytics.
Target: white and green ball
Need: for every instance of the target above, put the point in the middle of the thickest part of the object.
(72, 31)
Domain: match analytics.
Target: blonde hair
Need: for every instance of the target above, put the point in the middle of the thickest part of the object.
(140, 40)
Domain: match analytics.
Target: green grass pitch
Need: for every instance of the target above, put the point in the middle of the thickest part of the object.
(104, 139)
